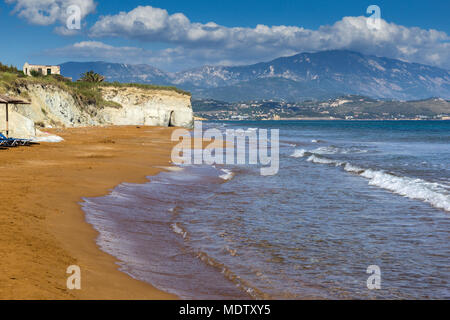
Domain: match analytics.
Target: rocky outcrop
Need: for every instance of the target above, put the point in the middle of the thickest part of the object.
(150, 108)
(52, 106)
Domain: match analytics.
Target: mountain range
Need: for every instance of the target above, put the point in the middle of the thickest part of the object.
(305, 76)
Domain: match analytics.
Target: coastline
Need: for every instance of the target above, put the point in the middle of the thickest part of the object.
(322, 119)
(45, 228)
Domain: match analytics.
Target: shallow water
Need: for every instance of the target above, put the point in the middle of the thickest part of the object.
(347, 195)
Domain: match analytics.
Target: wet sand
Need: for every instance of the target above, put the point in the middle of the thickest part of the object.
(43, 227)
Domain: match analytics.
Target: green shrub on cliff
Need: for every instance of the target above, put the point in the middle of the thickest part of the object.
(92, 76)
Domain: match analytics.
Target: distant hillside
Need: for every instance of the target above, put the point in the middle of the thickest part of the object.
(345, 107)
(301, 77)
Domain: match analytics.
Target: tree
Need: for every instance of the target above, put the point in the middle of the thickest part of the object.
(92, 76)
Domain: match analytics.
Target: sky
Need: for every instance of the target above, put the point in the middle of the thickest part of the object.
(176, 35)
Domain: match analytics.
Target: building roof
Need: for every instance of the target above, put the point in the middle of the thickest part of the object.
(41, 65)
(6, 99)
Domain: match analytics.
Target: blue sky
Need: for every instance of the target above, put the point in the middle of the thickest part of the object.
(175, 35)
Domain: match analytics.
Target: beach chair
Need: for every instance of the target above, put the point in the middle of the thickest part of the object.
(12, 142)
(8, 143)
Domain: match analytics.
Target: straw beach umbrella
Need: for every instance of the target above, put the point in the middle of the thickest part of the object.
(6, 100)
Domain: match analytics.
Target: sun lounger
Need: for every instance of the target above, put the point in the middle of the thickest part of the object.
(12, 142)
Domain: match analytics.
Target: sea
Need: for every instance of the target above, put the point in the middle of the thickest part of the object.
(348, 196)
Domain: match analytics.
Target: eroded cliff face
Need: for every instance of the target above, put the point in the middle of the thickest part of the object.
(52, 106)
(144, 107)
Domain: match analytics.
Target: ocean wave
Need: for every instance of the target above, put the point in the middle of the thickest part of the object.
(432, 193)
(352, 168)
(337, 150)
(412, 188)
(230, 275)
(228, 174)
(179, 230)
(322, 160)
(299, 153)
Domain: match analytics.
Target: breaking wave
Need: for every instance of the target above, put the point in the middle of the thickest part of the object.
(436, 194)
(337, 150)
(432, 193)
(298, 153)
(227, 174)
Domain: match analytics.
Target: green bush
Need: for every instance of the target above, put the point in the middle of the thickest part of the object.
(92, 76)
(36, 74)
(9, 69)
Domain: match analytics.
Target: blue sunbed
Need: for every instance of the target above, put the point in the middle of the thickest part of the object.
(12, 142)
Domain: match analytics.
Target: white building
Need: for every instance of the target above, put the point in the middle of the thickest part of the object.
(42, 69)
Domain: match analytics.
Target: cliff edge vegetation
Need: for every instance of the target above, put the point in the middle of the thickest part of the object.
(58, 102)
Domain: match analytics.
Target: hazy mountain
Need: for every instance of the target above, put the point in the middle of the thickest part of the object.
(126, 73)
(304, 76)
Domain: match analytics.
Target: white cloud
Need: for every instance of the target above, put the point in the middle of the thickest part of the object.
(235, 45)
(96, 50)
(48, 12)
(170, 59)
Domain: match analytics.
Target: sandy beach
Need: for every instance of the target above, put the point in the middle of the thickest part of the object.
(43, 227)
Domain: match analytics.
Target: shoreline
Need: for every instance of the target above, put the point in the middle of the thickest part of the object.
(45, 227)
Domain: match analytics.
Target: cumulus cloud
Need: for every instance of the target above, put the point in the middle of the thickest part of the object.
(169, 59)
(242, 45)
(96, 50)
(49, 12)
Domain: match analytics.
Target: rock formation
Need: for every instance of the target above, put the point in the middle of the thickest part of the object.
(52, 106)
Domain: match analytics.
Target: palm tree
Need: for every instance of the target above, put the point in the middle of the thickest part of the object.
(92, 76)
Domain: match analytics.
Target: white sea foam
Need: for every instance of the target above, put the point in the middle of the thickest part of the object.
(326, 150)
(228, 174)
(352, 168)
(179, 230)
(299, 153)
(433, 193)
(322, 160)
(337, 150)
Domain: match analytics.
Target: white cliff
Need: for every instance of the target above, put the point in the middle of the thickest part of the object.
(54, 106)
(150, 108)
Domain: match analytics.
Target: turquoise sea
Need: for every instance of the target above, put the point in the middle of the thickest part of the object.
(348, 194)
